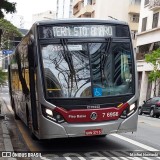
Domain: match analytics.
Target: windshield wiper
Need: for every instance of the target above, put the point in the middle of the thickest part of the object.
(68, 58)
(67, 55)
(104, 57)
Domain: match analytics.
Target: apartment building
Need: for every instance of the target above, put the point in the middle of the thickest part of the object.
(64, 9)
(48, 15)
(124, 10)
(148, 39)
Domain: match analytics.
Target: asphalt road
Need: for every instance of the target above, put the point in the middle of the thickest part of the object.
(91, 148)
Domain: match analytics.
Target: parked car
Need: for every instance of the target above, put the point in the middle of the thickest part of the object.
(151, 107)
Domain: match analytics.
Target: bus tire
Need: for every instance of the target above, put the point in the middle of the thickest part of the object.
(34, 137)
(28, 118)
(16, 116)
(14, 110)
(29, 125)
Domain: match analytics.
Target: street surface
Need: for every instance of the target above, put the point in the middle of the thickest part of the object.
(115, 146)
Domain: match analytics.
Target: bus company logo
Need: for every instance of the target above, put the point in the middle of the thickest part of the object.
(93, 116)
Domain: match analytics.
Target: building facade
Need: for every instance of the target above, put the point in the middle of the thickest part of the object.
(64, 9)
(124, 10)
(48, 15)
(148, 39)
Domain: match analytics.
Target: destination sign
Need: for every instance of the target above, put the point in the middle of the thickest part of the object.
(77, 31)
(83, 31)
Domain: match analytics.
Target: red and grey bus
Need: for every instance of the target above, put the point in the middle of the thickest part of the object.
(75, 77)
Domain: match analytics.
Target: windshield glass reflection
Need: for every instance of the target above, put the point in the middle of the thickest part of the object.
(69, 68)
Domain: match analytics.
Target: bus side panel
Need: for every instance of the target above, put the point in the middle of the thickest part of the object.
(32, 80)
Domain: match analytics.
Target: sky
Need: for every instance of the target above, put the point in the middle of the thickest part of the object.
(25, 9)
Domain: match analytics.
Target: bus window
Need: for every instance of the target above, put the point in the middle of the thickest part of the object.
(69, 77)
(116, 77)
(67, 72)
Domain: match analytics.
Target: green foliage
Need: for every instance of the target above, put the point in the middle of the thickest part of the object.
(3, 77)
(7, 7)
(153, 75)
(154, 59)
(9, 31)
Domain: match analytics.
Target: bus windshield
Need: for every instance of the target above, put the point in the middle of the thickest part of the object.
(74, 70)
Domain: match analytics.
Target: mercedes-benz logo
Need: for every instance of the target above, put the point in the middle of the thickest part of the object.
(93, 116)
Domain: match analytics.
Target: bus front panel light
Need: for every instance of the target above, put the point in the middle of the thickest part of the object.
(58, 117)
(49, 112)
(124, 114)
(128, 111)
(132, 107)
(52, 115)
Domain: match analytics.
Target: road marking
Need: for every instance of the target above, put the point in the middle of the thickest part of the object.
(4, 93)
(135, 142)
(27, 137)
(95, 156)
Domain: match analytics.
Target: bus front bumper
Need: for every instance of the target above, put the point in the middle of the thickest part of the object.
(49, 129)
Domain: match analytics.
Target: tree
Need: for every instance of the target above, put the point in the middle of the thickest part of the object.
(154, 59)
(3, 77)
(8, 7)
(9, 31)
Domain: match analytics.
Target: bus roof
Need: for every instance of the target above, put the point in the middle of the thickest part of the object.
(78, 20)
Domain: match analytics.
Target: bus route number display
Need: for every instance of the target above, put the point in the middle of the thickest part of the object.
(77, 31)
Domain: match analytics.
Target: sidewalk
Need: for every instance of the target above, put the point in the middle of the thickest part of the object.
(5, 140)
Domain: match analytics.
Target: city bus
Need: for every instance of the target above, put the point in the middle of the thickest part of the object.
(75, 78)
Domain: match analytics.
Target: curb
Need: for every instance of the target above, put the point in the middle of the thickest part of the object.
(1, 116)
(6, 137)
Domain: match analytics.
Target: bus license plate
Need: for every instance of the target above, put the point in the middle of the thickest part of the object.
(93, 132)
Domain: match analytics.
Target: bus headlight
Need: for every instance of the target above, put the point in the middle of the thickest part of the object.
(132, 106)
(49, 112)
(128, 111)
(52, 115)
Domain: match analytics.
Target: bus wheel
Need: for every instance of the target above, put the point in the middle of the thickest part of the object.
(34, 137)
(14, 109)
(16, 116)
(29, 124)
(28, 118)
